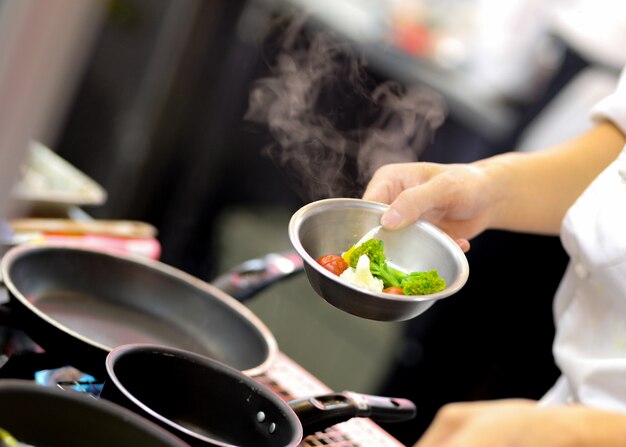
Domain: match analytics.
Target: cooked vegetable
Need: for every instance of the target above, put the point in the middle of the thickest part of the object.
(374, 250)
(6, 440)
(333, 263)
(361, 275)
(394, 290)
(414, 283)
(422, 283)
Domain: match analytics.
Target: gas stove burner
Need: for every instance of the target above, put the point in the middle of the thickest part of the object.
(286, 378)
(69, 378)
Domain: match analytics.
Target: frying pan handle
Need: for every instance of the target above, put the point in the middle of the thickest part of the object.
(247, 279)
(320, 412)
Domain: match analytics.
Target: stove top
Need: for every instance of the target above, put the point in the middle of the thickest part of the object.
(285, 377)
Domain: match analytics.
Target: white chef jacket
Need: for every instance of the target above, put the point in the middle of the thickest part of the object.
(596, 29)
(590, 304)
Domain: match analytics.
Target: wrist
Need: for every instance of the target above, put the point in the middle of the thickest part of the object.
(499, 174)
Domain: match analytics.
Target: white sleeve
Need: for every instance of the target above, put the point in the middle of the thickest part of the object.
(613, 107)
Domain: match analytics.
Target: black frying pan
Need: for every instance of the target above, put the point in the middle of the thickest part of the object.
(207, 403)
(78, 304)
(42, 416)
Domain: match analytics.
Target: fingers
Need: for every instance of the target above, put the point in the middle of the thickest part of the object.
(449, 196)
(480, 424)
(390, 180)
(413, 203)
(382, 187)
(378, 191)
(447, 422)
(464, 244)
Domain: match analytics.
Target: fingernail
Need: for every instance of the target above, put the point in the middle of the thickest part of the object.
(391, 219)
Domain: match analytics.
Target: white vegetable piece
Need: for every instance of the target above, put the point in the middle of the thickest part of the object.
(361, 276)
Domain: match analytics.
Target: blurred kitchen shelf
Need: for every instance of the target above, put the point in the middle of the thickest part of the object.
(363, 25)
(49, 179)
(48, 185)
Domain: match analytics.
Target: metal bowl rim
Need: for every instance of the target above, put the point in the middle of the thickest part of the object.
(297, 219)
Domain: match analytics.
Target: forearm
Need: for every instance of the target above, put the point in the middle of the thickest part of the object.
(532, 191)
(595, 427)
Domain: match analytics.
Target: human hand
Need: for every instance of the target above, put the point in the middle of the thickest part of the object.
(454, 197)
(522, 423)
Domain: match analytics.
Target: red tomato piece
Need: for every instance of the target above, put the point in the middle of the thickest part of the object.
(394, 290)
(333, 263)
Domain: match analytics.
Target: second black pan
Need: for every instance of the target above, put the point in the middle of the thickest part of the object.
(79, 304)
(207, 403)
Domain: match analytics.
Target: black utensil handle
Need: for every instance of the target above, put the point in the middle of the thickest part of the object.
(320, 412)
(383, 409)
(251, 277)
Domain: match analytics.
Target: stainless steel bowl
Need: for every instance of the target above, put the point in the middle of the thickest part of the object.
(332, 226)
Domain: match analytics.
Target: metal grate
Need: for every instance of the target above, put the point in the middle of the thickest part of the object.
(290, 381)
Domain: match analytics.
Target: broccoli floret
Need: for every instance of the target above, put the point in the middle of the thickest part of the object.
(374, 249)
(415, 283)
(422, 283)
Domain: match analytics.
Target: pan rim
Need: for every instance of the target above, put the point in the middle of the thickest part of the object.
(15, 253)
(205, 361)
(296, 223)
(21, 386)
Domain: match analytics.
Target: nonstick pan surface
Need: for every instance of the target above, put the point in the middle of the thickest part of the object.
(42, 416)
(79, 304)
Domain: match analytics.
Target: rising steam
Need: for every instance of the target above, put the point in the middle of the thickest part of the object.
(333, 126)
